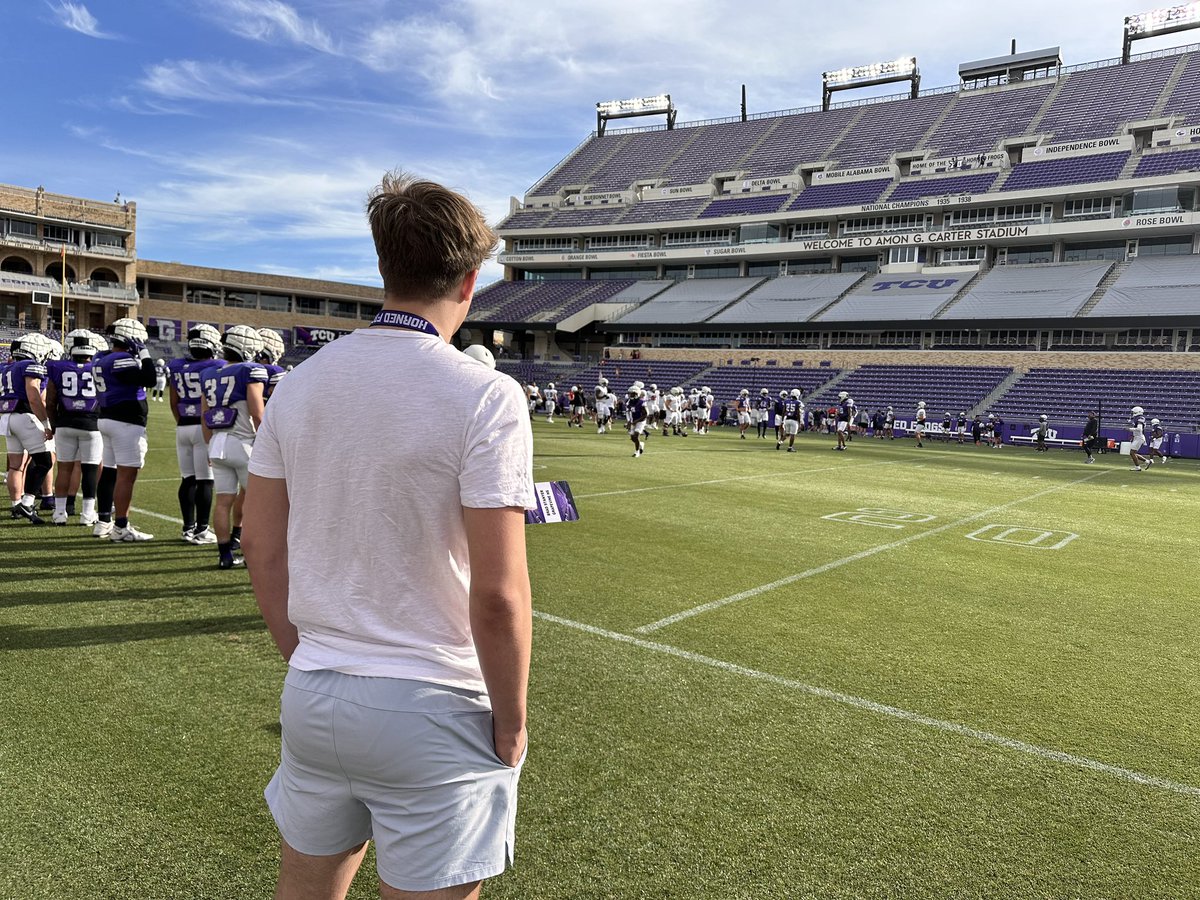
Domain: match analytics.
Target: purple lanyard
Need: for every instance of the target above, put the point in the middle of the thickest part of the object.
(411, 321)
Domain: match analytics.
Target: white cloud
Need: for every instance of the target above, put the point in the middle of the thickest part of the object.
(221, 82)
(272, 21)
(76, 17)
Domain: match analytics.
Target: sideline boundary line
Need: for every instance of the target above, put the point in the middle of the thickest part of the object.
(854, 557)
(883, 709)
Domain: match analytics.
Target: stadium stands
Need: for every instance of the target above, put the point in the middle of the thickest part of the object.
(1185, 98)
(884, 298)
(743, 206)
(794, 298)
(795, 139)
(936, 187)
(977, 121)
(1154, 286)
(843, 193)
(1033, 291)
(1066, 396)
(943, 388)
(887, 128)
(622, 373)
(1094, 103)
(541, 301)
(1072, 170)
(690, 301)
(1168, 163)
(540, 374)
(727, 381)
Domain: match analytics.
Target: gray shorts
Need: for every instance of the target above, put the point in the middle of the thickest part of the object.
(409, 764)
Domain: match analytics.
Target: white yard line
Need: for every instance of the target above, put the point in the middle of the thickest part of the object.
(855, 557)
(893, 712)
(665, 487)
(148, 512)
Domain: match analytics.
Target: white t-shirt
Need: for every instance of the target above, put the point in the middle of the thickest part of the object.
(383, 437)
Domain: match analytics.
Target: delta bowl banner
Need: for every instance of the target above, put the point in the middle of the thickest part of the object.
(317, 337)
(165, 329)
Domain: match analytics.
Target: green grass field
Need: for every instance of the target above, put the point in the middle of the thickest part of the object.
(738, 690)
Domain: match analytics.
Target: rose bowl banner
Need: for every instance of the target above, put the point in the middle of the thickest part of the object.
(165, 329)
(317, 337)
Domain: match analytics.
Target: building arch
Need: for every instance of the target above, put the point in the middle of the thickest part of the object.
(106, 275)
(55, 271)
(18, 264)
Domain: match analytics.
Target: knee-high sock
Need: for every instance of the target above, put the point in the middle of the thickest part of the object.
(187, 501)
(39, 465)
(105, 490)
(89, 475)
(204, 498)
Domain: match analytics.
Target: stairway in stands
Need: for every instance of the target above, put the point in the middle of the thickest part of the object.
(1102, 288)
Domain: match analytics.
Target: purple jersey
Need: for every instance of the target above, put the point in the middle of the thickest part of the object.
(636, 411)
(791, 408)
(274, 376)
(76, 401)
(121, 387)
(225, 394)
(187, 376)
(14, 376)
(845, 411)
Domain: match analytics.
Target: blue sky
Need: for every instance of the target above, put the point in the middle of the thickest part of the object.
(250, 131)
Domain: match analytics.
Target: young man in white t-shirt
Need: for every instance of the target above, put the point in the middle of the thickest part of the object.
(403, 609)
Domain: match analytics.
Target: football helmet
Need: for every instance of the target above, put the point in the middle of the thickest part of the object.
(244, 341)
(678, 391)
(889, 409)
(1154, 422)
(744, 392)
(1137, 410)
(603, 381)
(84, 343)
(634, 392)
(550, 386)
(920, 404)
(35, 346)
(272, 349)
(765, 392)
(783, 394)
(639, 384)
(653, 387)
(204, 337)
(705, 390)
(480, 354)
(125, 330)
(1042, 417)
(842, 395)
(56, 350)
(991, 415)
(849, 401)
(795, 393)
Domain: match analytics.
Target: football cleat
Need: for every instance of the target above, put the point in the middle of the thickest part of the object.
(21, 511)
(102, 529)
(89, 519)
(59, 518)
(231, 562)
(203, 536)
(128, 535)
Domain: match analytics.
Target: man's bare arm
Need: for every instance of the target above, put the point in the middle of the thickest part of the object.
(264, 544)
(501, 619)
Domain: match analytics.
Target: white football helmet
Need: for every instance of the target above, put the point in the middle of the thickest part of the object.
(84, 343)
(634, 392)
(639, 385)
(289, 367)
(795, 393)
(160, 362)
(889, 409)
(744, 392)
(920, 404)
(56, 350)
(272, 350)
(705, 390)
(1137, 410)
(603, 381)
(35, 346)
(1154, 422)
(765, 392)
(128, 330)
(783, 394)
(653, 387)
(842, 395)
(244, 341)
(482, 354)
(678, 391)
(550, 386)
(204, 337)
(850, 401)
(1042, 417)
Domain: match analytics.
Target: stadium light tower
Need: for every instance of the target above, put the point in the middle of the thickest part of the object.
(1167, 20)
(902, 69)
(636, 106)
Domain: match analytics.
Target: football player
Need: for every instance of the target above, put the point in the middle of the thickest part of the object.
(1137, 439)
(535, 397)
(578, 407)
(1043, 431)
(743, 412)
(1157, 436)
(674, 404)
(762, 411)
(889, 424)
(704, 411)
(160, 380)
(919, 424)
(550, 398)
(997, 429)
(635, 415)
(604, 405)
(793, 412)
(122, 376)
(273, 351)
(186, 392)
(29, 428)
(231, 410)
(1091, 435)
(948, 428)
(845, 409)
(778, 413)
(72, 403)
